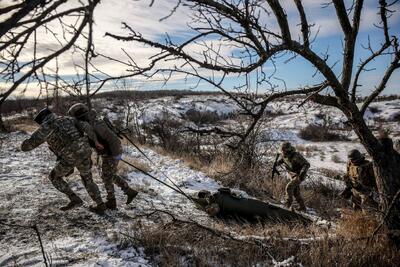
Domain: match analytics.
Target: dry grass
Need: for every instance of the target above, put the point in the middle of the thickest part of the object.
(123, 168)
(177, 244)
(183, 243)
(330, 173)
(23, 124)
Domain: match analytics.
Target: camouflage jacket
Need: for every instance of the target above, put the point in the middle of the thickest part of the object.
(64, 135)
(106, 137)
(360, 176)
(295, 164)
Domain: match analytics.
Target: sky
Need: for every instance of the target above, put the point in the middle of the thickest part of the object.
(145, 19)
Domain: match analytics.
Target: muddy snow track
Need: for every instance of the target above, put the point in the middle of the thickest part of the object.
(79, 237)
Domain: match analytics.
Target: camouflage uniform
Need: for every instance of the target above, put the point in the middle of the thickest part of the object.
(297, 167)
(64, 137)
(361, 179)
(110, 154)
(112, 149)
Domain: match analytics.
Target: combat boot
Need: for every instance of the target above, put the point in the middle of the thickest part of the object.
(131, 194)
(99, 209)
(111, 204)
(288, 204)
(74, 202)
(302, 207)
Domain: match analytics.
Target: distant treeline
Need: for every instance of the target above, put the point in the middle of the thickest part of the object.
(21, 104)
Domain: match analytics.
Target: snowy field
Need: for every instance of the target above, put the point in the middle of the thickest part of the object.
(81, 238)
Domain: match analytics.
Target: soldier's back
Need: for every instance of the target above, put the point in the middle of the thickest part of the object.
(65, 137)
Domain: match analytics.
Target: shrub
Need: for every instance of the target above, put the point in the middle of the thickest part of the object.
(396, 117)
(314, 133)
(335, 158)
(202, 117)
(374, 110)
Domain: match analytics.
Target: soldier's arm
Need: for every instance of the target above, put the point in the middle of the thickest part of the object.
(110, 137)
(37, 138)
(279, 161)
(368, 176)
(305, 166)
(86, 128)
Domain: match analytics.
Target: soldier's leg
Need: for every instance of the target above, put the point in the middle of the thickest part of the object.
(56, 177)
(290, 192)
(298, 197)
(110, 168)
(356, 199)
(84, 168)
(368, 203)
(107, 173)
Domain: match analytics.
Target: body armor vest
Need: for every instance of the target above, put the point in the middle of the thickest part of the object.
(64, 134)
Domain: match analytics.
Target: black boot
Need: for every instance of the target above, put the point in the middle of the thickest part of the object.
(99, 209)
(131, 194)
(74, 202)
(111, 204)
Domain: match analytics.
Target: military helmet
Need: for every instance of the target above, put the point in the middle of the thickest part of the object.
(78, 110)
(355, 155)
(203, 194)
(287, 147)
(42, 114)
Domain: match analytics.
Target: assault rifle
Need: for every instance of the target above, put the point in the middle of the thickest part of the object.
(274, 167)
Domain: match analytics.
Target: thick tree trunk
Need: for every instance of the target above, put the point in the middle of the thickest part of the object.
(387, 172)
(2, 125)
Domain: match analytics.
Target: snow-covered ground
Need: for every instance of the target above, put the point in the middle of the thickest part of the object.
(78, 237)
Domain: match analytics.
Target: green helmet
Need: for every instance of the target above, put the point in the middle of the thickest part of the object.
(42, 114)
(78, 110)
(287, 147)
(355, 155)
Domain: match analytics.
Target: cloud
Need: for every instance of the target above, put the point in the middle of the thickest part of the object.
(146, 20)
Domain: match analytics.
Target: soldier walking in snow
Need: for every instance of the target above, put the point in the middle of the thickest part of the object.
(360, 181)
(111, 154)
(65, 138)
(297, 167)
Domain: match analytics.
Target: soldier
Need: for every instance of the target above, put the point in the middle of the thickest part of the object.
(360, 181)
(226, 203)
(111, 154)
(64, 135)
(297, 167)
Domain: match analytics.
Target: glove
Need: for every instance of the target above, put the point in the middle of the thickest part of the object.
(118, 157)
(99, 146)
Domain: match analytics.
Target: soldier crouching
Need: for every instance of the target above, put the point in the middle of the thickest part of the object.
(297, 167)
(360, 182)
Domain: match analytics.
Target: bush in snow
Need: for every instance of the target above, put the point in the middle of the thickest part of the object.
(374, 109)
(165, 130)
(202, 117)
(314, 132)
(395, 117)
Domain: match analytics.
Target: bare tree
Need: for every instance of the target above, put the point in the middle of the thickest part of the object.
(23, 60)
(241, 24)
